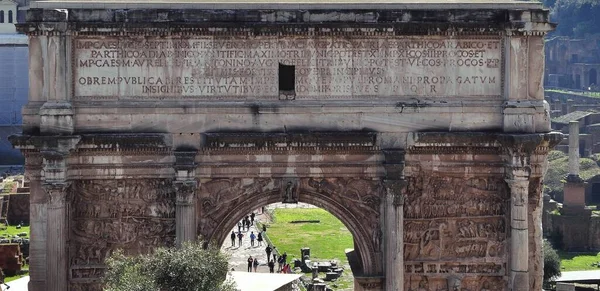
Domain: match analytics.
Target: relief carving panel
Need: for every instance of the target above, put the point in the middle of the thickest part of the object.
(133, 215)
(218, 197)
(455, 226)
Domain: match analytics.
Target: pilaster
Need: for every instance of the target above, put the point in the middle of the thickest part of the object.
(185, 204)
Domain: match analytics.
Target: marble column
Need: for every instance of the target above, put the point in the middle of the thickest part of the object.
(394, 243)
(574, 148)
(56, 256)
(519, 232)
(185, 211)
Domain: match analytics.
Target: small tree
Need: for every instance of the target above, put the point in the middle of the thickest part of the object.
(551, 264)
(190, 267)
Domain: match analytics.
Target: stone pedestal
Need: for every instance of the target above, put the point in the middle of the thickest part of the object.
(56, 256)
(574, 193)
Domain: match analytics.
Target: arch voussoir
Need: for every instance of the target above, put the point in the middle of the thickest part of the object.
(356, 202)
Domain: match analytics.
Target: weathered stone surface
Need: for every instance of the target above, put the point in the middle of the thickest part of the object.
(172, 122)
(18, 208)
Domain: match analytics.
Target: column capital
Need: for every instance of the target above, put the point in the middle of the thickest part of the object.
(57, 193)
(185, 192)
(395, 188)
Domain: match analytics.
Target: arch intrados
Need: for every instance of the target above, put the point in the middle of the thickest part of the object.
(351, 222)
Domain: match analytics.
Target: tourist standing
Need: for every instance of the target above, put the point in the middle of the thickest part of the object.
(250, 262)
(279, 263)
(264, 228)
(252, 218)
(255, 264)
(240, 226)
(240, 236)
(259, 239)
(233, 238)
(271, 266)
(252, 238)
(268, 250)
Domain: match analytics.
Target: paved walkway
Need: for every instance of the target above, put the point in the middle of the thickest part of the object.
(17, 285)
(239, 255)
(580, 276)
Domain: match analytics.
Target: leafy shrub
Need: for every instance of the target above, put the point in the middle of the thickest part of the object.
(190, 267)
(555, 155)
(551, 263)
(586, 164)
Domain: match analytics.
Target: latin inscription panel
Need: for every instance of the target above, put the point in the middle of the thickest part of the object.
(235, 68)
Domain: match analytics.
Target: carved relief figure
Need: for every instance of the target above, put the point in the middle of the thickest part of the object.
(134, 215)
(450, 218)
(288, 193)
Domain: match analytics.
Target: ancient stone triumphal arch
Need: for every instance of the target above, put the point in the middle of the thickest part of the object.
(420, 124)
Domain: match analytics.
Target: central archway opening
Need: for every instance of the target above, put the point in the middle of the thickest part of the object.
(300, 239)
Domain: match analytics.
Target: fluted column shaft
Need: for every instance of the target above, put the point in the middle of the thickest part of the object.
(185, 211)
(56, 256)
(394, 253)
(519, 231)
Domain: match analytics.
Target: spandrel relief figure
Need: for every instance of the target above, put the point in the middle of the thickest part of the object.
(290, 192)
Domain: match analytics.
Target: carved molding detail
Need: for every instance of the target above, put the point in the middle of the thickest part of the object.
(57, 193)
(396, 189)
(185, 192)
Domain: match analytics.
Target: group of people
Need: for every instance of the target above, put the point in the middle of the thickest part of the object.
(282, 265)
(245, 224)
(272, 258)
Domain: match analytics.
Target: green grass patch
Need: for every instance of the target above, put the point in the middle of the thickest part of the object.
(578, 261)
(12, 230)
(18, 276)
(327, 239)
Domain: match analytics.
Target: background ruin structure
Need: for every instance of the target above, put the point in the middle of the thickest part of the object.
(421, 125)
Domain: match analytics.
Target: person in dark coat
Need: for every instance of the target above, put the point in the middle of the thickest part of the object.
(240, 236)
(271, 266)
(268, 249)
(233, 238)
(250, 262)
(259, 239)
